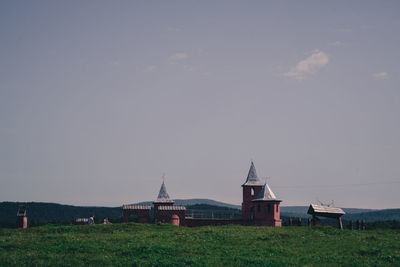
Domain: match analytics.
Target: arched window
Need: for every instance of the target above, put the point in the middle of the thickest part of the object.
(277, 208)
(252, 191)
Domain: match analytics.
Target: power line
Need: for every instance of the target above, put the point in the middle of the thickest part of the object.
(337, 185)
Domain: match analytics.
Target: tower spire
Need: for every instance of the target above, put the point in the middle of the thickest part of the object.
(163, 196)
(252, 177)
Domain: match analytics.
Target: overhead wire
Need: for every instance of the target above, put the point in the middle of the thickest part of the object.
(337, 185)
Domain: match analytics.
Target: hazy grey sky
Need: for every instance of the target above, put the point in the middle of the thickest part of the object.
(99, 98)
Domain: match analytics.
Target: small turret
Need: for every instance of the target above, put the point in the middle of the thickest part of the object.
(165, 211)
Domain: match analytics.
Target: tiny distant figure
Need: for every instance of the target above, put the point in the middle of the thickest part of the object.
(106, 221)
(91, 219)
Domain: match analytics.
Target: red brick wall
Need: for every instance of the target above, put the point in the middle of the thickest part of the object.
(157, 217)
(267, 213)
(247, 203)
(164, 216)
(143, 215)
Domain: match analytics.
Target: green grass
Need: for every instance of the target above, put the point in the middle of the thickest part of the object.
(166, 245)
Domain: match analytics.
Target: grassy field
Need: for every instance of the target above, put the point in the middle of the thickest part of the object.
(166, 245)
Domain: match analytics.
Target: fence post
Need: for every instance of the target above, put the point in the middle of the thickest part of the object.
(290, 221)
(358, 225)
(309, 222)
(340, 223)
(363, 226)
(299, 221)
(351, 225)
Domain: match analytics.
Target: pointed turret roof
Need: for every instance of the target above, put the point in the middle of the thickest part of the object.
(266, 194)
(252, 178)
(163, 196)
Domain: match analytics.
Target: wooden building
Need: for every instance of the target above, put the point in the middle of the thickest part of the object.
(325, 211)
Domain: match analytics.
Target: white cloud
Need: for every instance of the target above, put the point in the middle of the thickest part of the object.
(308, 66)
(381, 75)
(150, 68)
(178, 56)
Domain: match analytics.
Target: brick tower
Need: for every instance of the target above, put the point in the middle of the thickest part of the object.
(165, 211)
(251, 189)
(162, 200)
(267, 210)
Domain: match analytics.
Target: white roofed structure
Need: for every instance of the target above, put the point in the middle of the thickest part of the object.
(325, 211)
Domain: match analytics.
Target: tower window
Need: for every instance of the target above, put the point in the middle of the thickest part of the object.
(252, 191)
(277, 208)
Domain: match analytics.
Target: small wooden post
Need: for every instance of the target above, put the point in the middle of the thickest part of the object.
(309, 222)
(340, 222)
(22, 219)
(358, 225)
(299, 221)
(290, 221)
(351, 225)
(314, 220)
(363, 226)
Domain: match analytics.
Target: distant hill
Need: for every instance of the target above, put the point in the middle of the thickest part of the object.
(376, 215)
(41, 213)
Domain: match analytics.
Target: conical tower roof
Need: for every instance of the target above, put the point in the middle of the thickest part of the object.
(163, 196)
(252, 178)
(266, 194)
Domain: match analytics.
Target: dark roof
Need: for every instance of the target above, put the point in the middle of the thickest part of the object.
(252, 178)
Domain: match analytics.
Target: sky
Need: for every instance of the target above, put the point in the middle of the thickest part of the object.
(99, 99)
